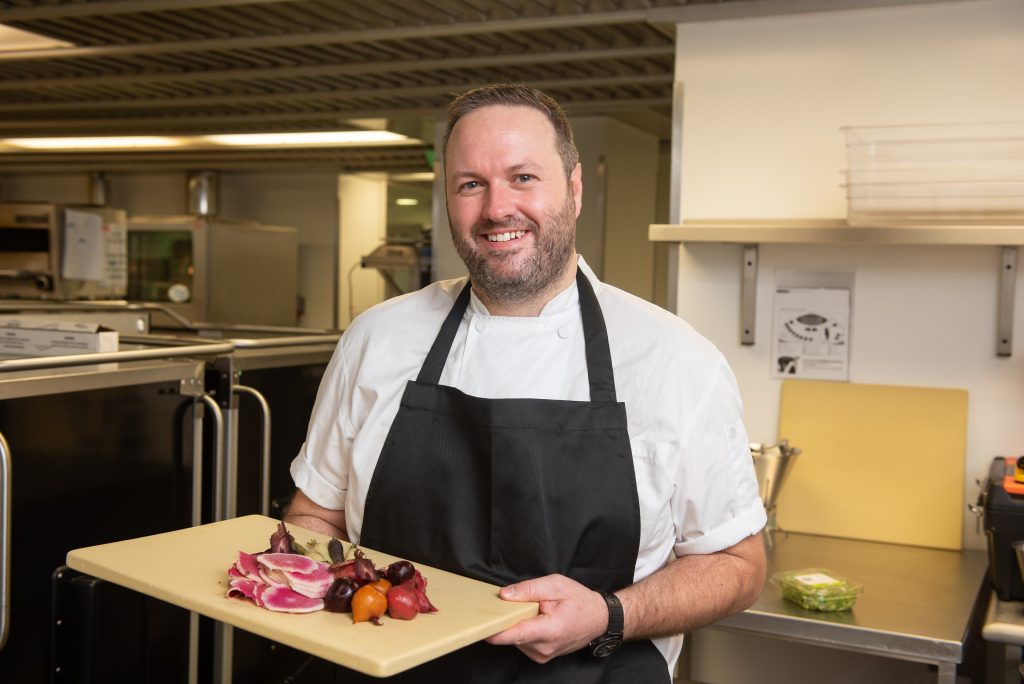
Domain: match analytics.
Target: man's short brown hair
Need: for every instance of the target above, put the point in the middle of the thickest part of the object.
(517, 95)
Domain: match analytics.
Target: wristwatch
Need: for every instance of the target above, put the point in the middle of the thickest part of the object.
(609, 642)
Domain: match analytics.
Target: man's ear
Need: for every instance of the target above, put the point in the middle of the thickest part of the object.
(576, 185)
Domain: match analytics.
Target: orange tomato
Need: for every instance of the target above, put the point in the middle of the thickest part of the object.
(382, 585)
(368, 603)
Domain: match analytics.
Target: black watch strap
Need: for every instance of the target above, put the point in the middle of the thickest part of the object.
(609, 642)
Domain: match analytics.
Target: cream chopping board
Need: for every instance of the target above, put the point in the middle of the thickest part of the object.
(879, 462)
(188, 568)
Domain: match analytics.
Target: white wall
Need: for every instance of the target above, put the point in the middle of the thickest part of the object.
(591, 136)
(363, 223)
(631, 206)
(764, 102)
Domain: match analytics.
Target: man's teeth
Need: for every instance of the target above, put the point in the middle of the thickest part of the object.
(505, 237)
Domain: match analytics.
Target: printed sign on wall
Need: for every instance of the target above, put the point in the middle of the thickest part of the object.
(811, 333)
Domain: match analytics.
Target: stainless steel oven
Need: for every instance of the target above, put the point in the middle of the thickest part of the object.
(215, 269)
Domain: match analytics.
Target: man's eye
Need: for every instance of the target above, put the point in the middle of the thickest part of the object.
(471, 185)
(524, 178)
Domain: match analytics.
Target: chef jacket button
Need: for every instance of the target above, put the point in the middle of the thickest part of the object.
(565, 331)
(480, 325)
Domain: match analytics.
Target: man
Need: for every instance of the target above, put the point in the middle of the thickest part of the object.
(505, 431)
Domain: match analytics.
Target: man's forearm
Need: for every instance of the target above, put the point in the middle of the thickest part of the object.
(303, 512)
(694, 591)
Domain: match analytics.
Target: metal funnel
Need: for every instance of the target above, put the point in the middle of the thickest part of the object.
(772, 464)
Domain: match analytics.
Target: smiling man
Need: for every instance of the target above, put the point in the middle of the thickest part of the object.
(535, 428)
(512, 204)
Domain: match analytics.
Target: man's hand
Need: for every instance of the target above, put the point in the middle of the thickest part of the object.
(685, 594)
(571, 616)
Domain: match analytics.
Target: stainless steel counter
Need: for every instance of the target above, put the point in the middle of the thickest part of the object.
(916, 604)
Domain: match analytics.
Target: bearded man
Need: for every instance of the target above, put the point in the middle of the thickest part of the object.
(532, 427)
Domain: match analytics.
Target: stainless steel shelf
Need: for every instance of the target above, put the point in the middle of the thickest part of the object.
(58, 380)
(916, 605)
(752, 233)
(836, 231)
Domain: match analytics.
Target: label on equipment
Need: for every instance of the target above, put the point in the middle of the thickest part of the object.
(816, 578)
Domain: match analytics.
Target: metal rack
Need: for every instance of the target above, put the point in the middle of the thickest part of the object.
(33, 377)
(206, 360)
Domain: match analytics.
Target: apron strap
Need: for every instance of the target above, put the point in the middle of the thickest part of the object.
(595, 337)
(430, 372)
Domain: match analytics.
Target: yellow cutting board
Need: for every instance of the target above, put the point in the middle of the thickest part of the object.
(188, 568)
(880, 462)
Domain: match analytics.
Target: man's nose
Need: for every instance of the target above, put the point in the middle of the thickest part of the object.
(499, 203)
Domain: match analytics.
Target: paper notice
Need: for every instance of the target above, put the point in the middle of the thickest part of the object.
(84, 252)
(811, 333)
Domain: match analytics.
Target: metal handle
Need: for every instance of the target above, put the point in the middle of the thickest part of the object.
(199, 407)
(191, 350)
(218, 456)
(264, 445)
(5, 541)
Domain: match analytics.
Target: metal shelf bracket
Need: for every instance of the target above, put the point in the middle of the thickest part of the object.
(1007, 288)
(748, 295)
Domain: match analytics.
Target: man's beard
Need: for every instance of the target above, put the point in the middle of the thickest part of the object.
(554, 245)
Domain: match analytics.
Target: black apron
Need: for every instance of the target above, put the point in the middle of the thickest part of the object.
(504, 490)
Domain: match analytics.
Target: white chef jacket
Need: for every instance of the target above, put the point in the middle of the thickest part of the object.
(694, 471)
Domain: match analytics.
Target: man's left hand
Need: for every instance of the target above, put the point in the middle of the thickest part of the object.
(571, 616)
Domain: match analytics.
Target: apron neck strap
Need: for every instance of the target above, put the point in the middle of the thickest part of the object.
(595, 339)
(434, 363)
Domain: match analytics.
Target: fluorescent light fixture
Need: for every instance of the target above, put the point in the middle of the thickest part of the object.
(307, 138)
(300, 139)
(407, 201)
(99, 143)
(417, 177)
(14, 40)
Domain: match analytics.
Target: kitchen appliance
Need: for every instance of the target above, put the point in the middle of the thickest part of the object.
(215, 269)
(772, 464)
(401, 265)
(61, 251)
(1001, 504)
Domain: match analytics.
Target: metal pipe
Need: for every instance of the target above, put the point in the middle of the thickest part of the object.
(335, 37)
(203, 193)
(207, 349)
(98, 189)
(197, 519)
(96, 306)
(197, 326)
(218, 455)
(270, 342)
(264, 445)
(5, 541)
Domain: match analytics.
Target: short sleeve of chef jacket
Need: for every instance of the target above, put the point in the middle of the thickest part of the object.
(359, 396)
(695, 475)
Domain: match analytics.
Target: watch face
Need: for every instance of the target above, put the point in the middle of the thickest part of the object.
(607, 647)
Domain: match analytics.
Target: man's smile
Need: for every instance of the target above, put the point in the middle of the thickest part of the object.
(506, 236)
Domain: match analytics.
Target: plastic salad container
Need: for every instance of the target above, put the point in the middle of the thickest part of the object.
(817, 589)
